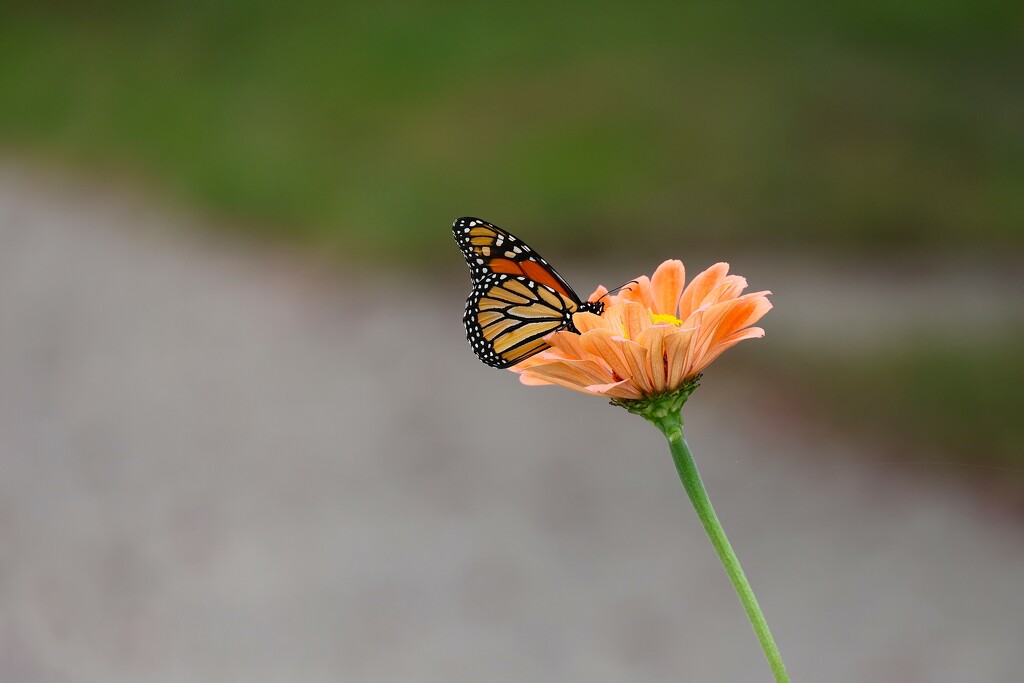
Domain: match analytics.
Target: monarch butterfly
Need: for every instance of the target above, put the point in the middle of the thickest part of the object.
(517, 298)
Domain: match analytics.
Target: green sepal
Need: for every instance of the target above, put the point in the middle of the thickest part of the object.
(656, 408)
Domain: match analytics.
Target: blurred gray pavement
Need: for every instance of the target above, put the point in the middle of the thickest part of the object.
(220, 462)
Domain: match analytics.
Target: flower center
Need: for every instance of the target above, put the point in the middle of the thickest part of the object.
(665, 319)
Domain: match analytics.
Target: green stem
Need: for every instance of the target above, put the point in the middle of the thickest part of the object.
(671, 425)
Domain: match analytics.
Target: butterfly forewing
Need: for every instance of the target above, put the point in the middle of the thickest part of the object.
(490, 249)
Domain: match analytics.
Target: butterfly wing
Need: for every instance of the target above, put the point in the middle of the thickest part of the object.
(517, 298)
(489, 249)
(507, 318)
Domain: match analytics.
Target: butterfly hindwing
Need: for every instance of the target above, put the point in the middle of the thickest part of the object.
(507, 318)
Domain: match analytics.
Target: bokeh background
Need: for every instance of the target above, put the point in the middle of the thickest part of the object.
(242, 436)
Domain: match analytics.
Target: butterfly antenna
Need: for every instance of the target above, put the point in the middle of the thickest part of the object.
(612, 291)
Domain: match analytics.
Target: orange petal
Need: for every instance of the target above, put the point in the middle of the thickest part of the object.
(639, 292)
(749, 333)
(676, 347)
(613, 319)
(653, 339)
(716, 351)
(721, 320)
(744, 311)
(539, 359)
(636, 359)
(572, 374)
(730, 287)
(635, 319)
(584, 322)
(599, 344)
(703, 337)
(667, 285)
(695, 319)
(697, 290)
(753, 309)
(567, 343)
(623, 389)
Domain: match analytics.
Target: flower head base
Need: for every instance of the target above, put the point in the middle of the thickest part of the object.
(654, 338)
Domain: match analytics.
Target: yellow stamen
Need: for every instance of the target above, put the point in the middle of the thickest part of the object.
(665, 319)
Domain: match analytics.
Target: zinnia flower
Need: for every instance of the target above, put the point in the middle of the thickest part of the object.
(654, 338)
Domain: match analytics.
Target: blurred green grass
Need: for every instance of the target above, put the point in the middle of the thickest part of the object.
(368, 127)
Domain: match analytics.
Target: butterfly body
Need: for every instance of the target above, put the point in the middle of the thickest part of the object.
(517, 298)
